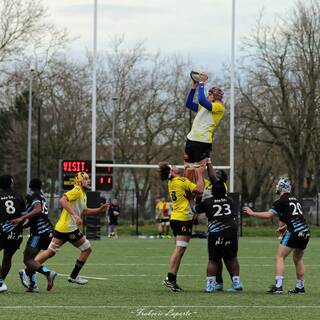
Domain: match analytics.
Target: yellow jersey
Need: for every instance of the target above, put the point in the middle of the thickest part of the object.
(178, 188)
(78, 201)
(205, 122)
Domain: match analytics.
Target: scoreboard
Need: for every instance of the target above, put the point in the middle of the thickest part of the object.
(104, 176)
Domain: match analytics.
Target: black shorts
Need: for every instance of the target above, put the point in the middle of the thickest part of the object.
(10, 241)
(196, 151)
(222, 245)
(68, 236)
(40, 242)
(181, 228)
(295, 240)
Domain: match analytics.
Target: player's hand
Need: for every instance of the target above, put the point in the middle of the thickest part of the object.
(203, 77)
(104, 207)
(280, 231)
(194, 85)
(17, 220)
(248, 211)
(77, 219)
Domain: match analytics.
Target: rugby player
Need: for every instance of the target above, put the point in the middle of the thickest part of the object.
(295, 239)
(74, 203)
(180, 219)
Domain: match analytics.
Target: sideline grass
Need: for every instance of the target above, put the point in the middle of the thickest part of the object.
(125, 278)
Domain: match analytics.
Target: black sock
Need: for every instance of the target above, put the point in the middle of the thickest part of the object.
(79, 264)
(219, 279)
(44, 270)
(172, 277)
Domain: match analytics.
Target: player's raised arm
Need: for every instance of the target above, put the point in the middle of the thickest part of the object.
(189, 103)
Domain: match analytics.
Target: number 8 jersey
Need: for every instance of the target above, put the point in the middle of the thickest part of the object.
(289, 211)
(179, 187)
(12, 206)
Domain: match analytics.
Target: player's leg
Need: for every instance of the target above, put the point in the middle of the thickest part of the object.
(34, 245)
(283, 252)
(57, 241)
(9, 246)
(230, 252)
(299, 265)
(214, 280)
(84, 246)
(182, 231)
(5, 268)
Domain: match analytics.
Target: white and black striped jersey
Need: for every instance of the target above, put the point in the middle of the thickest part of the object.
(289, 211)
(220, 214)
(12, 206)
(40, 223)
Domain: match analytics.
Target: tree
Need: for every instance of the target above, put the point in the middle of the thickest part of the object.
(281, 88)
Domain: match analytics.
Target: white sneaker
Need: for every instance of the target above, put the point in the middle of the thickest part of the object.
(3, 287)
(78, 280)
(25, 281)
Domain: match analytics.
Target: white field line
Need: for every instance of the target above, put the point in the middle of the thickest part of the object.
(160, 307)
(166, 264)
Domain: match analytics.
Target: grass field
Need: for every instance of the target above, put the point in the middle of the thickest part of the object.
(125, 278)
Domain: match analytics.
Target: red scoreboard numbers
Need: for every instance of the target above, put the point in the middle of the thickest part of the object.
(104, 178)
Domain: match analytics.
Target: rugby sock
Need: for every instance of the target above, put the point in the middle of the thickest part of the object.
(79, 264)
(279, 280)
(1, 281)
(32, 276)
(172, 277)
(300, 284)
(211, 279)
(236, 279)
(219, 279)
(44, 270)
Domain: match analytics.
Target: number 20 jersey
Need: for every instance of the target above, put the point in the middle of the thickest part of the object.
(220, 214)
(289, 211)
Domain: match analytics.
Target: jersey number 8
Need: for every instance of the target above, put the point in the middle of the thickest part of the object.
(10, 209)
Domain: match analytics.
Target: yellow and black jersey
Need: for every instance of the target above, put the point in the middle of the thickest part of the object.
(206, 122)
(78, 201)
(178, 188)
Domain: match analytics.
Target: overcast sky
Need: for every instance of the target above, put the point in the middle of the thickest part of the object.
(199, 29)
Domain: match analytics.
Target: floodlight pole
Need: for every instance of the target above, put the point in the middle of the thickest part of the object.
(94, 101)
(231, 178)
(115, 100)
(31, 70)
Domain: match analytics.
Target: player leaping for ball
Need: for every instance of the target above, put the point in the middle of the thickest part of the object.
(210, 111)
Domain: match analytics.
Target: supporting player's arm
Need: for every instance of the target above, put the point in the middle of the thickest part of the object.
(36, 210)
(198, 191)
(262, 215)
(211, 172)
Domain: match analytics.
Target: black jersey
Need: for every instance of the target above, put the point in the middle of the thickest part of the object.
(113, 213)
(289, 211)
(12, 206)
(40, 223)
(220, 213)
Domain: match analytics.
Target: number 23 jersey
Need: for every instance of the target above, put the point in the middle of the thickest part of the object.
(220, 214)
